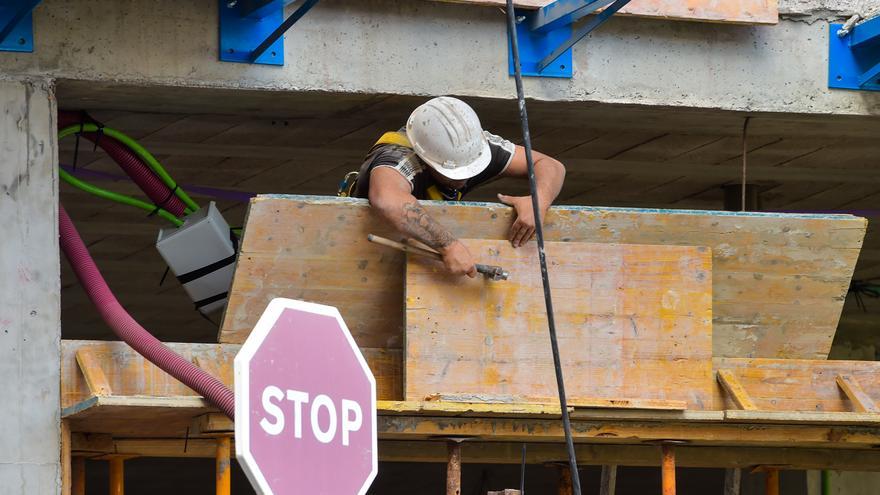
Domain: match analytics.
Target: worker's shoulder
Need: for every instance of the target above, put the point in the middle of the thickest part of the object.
(496, 141)
(400, 158)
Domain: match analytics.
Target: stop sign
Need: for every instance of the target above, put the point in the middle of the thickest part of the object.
(305, 404)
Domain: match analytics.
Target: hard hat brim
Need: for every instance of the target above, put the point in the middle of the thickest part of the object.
(468, 172)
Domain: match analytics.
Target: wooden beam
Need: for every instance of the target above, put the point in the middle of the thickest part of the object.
(735, 390)
(537, 430)
(861, 402)
(93, 373)
(803, 417)
(489, 401)
(543, 453)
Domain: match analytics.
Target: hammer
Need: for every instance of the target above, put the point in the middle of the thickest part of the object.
(415, 247)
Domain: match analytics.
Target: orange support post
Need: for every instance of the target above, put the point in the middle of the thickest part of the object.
(224, 473)
(772, 481)
(565, 483)
(668, 469)
(78, 476)
(117, 476)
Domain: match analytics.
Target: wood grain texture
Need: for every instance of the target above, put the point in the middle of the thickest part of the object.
(778, 282)
(545, 453)
(127, 373)
(633, 322)
(726, 11)
(735, 390)
(861, 401)
(796, 384)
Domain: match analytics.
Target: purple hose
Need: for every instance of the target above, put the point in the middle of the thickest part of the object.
(140, 173)
(127, 329)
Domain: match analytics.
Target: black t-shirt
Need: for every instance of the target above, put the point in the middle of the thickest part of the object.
(415, 171)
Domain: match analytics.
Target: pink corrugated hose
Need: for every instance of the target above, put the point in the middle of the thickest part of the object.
(130, 331)
(140, 173)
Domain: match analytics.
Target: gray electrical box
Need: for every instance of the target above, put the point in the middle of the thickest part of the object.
(201, 254)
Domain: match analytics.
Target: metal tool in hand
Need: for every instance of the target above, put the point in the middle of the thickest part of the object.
(489, 271)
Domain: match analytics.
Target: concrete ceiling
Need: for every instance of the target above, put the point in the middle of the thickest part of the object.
(226, 144)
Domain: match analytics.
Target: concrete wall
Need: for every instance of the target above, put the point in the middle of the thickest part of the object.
(420, 48)
(30, 313)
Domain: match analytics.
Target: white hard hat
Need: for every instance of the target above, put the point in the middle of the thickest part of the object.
(446, 134)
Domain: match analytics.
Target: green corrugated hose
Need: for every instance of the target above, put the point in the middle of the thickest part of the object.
(119, 198)
(141, 152)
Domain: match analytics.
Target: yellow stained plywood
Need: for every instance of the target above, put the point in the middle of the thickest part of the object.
(633, 322)
(724, 11)
(778, 280)
(798, 384)
(126, 373)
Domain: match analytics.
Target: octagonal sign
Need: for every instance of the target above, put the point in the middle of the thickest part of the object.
(305, 404)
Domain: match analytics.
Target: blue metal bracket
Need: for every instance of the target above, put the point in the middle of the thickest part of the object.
(17, 25)
(251, 31)
(546, 35)
(854, 59)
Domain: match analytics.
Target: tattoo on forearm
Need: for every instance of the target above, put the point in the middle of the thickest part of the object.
(418, 223)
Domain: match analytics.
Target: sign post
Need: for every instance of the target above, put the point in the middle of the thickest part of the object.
(305, 404)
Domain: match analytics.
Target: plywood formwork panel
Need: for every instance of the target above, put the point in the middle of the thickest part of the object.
(725, 11)
(633, 321)
(128, 374)
(778, 282)
(799, 385)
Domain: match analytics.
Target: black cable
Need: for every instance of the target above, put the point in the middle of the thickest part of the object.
(522, 472)
(539, 231)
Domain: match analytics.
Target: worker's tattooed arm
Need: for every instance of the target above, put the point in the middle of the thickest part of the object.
(419, 224)
(390, 196)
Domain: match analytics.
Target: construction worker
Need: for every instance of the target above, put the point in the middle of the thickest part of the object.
(442, 154)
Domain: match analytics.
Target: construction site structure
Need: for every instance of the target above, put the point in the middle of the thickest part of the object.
(737, 341)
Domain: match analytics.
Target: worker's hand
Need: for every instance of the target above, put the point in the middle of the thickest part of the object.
(523, 228)
(458, 260)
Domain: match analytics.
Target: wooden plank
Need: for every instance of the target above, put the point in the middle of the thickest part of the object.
(729, 11)
(91, 370)
(477, 409)
(797, 384)
(861, 401)
(803, 417)
(589, 403)
(550, 430)
(634, 325)
(735, 390)
(767, 299)
(150, 417)
(544, 453)
(126, 373)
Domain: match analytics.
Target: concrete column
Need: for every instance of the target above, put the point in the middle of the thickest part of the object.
(30, 312)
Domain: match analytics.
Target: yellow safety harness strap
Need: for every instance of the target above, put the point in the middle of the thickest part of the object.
(394, 137)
